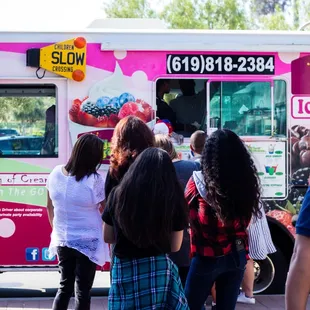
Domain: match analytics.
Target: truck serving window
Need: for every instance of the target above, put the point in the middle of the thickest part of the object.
(183, 102)
(28, 122)
(249, 108)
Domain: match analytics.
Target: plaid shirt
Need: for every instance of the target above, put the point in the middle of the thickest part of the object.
(146, 283)
(209, 235)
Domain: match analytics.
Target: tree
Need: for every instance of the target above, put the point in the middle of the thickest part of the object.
(265, 7)
(183, 14)
(129, 9)
(210, 14)
(224, 14)
(217, 14)
(276, 21)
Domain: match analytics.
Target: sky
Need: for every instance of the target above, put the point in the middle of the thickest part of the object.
(49, 15)
(53, 14)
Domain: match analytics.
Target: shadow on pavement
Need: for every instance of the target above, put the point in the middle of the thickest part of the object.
(49, 292)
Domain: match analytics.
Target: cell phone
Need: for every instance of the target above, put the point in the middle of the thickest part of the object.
(239, 245)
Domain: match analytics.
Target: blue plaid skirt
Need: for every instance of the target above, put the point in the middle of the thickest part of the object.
(146, 283)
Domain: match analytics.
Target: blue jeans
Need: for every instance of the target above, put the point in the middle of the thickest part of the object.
(226, 271)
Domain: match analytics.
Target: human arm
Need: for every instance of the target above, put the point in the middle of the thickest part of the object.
(108, 233)
(107, 217)
(176, 240)
(108, 230)
(99, 192)
(50, 209)
(298, 281)
(102, 206)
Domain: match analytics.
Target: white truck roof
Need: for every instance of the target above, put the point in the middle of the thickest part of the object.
(150, 35)
(127, 23)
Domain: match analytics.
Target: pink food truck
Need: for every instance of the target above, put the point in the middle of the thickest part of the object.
(56, 86)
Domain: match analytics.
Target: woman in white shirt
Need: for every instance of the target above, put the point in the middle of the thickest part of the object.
(75, 194)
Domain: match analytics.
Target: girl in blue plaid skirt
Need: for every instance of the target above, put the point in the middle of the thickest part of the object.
(145, 217)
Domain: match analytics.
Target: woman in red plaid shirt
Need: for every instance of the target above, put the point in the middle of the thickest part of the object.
(222, 199)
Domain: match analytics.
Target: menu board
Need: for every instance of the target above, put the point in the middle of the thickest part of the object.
(271, 164)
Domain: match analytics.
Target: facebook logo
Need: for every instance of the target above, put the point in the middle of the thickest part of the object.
(32, 254)
(45, 255)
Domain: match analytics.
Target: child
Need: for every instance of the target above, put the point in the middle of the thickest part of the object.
(197, 143)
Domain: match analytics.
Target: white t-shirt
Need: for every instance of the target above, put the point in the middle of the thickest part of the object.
(77, 221)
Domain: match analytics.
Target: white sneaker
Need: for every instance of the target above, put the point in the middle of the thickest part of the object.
(245, 300)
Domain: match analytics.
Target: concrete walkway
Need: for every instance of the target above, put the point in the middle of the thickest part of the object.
(274, 302)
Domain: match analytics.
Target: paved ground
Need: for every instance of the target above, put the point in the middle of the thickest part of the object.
(43, 284)
(275, 302)
(26, 285)
(262, 303)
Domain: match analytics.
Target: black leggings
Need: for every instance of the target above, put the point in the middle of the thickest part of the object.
(74, 268)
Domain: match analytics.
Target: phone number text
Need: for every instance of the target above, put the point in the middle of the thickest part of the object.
(220, 64)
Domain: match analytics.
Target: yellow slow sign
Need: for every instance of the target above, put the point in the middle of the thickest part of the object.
(66, 58)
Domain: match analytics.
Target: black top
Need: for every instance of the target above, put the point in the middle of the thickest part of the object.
(184, 170)
(126, 249)
(164, 111)
(110, 183)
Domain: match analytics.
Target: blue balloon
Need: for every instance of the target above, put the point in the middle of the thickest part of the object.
(126, 97)
(102, 102)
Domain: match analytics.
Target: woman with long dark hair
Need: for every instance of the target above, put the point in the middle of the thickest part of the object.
(145, 217)
(131, 136)
(222, 199)
(75, 195)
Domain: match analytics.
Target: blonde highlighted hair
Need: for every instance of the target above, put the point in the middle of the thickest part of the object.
(164, 142)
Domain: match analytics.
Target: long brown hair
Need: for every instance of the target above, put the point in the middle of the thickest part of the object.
(131, 137)
(86, 156)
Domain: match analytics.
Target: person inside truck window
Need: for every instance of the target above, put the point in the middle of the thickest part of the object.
(145, 217)
(48, 147)
(222, 199)
(190, 108)
(75, 194)
(164, 111)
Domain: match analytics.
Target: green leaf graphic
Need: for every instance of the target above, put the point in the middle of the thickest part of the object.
(290, 207)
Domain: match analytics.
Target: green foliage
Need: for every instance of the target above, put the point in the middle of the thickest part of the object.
(224, 14)
(217, 14)
(129, 9)
(266, 7)
(276, 21)
(25, 114)
(210, 14)
(183, 14)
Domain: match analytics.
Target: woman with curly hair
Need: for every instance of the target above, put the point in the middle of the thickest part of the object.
(131, 137)
(222, 199)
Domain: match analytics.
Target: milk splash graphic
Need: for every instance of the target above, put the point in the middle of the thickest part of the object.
(113, 86)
